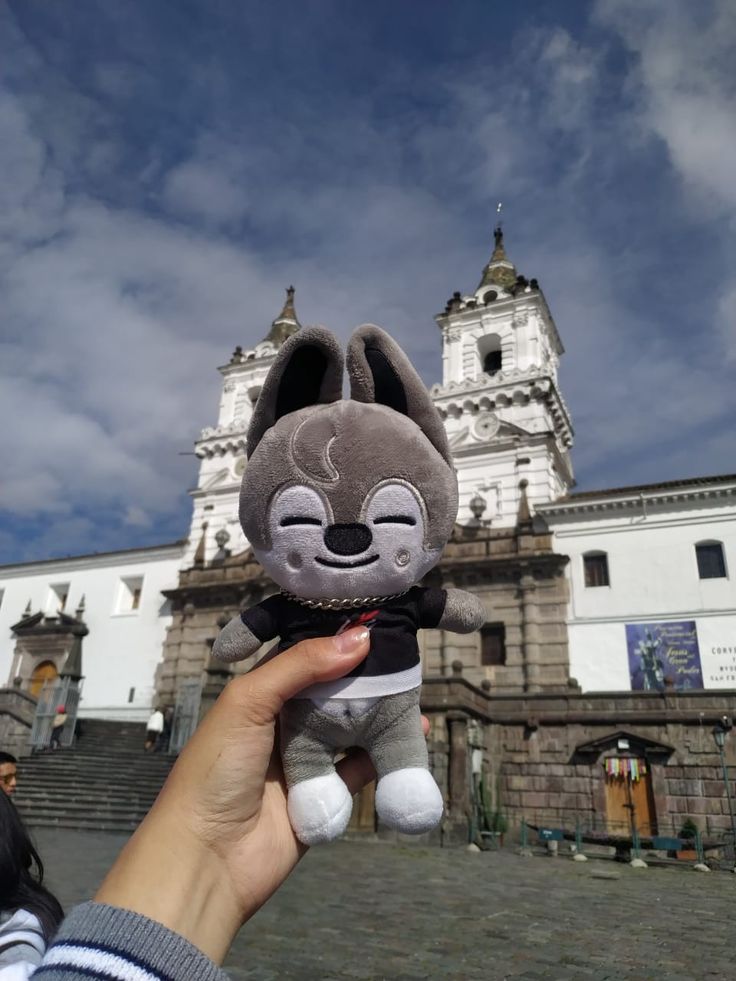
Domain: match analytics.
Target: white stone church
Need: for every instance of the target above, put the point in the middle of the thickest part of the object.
(650, 598)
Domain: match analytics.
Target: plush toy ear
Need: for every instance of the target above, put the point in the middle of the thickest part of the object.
(380, 372)
(307, 371)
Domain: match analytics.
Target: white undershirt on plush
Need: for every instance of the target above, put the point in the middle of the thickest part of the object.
(368, 686)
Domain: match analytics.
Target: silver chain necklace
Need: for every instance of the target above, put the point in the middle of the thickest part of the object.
(342, 604)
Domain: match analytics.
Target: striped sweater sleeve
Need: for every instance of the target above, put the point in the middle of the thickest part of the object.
(111, 944)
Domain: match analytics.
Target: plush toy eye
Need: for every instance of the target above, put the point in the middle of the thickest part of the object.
(297, 519)
(395, 519)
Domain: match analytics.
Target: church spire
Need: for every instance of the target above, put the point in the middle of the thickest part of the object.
(286, 323)
(500, 271)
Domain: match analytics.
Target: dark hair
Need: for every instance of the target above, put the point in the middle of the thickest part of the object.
(6, 758)
(21, 873)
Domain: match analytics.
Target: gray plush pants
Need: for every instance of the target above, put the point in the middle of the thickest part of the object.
(390, 731)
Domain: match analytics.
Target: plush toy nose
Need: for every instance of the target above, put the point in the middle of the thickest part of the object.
(348, 539)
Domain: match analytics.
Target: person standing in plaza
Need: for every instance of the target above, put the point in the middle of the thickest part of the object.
(8, 773)
(29, 913)
(162, 744)
(154, 728)
(57, 726)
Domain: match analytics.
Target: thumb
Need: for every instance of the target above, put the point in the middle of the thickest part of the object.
(263, 691)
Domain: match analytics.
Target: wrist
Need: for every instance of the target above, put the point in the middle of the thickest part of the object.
(165, 874)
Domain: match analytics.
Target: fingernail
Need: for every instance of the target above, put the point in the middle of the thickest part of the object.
(351, 640)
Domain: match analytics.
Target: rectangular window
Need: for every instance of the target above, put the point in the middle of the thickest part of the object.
(131, 695)
(493, 644)
(596, 569)
(711, 563)
(130, 592)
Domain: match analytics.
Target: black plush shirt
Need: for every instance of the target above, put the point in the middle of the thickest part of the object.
(393, 626)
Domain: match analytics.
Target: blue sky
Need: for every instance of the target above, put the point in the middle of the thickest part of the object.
(170, 166)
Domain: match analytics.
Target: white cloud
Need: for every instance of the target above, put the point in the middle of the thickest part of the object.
(686, 85)
(137, 517)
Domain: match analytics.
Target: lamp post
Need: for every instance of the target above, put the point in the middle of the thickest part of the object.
(720, 731)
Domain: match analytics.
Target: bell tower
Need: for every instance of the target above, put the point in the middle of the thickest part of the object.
(221, 448)
(499, 398)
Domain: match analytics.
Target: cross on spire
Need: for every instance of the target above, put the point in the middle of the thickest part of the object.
(286, 323)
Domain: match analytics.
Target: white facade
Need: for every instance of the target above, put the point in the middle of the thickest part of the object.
(123, 608)
(649, 537)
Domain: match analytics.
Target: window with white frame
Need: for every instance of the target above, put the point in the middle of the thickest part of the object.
(711, 560)
(130, 591)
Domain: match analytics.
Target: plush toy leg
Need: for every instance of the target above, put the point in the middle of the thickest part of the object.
(319, 804)
(407, 797)
(319, 808)
(409, 800)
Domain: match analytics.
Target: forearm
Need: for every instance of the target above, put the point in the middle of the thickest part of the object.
(163, 873)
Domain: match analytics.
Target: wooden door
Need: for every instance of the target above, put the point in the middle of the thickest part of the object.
(45, 671)
(629, 804)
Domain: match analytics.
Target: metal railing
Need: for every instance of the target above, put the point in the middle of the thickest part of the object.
(60, 693)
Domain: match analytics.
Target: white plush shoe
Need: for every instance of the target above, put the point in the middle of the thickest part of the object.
(319, 809)
(409, 800)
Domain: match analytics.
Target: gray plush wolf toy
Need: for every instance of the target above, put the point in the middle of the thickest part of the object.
(347, 504)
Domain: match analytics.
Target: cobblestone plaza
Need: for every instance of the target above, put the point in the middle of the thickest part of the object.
(377, 911)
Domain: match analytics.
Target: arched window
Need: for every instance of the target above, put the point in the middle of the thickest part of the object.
(711, 560)
(492, 362)
(489, 352)
(595, 566)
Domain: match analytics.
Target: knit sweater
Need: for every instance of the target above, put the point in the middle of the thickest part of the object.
(22, 942)
(111, 944)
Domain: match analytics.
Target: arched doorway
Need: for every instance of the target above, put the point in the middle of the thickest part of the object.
(45, 671)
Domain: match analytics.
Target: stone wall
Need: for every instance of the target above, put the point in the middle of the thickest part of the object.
(544, 755)
(549, 753)
(207, 597)
(17, 710)
(523, 586)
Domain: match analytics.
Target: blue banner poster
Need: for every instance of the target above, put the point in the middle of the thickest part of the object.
(663, 655)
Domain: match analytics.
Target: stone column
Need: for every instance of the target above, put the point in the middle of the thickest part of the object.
(455, 827)
(216, 676)
(530, 633)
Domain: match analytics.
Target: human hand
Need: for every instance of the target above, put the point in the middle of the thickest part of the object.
(217, 842)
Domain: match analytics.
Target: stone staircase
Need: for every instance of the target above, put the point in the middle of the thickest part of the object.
(105, 783)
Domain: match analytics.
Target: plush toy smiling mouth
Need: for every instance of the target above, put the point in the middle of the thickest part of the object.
(346, 565)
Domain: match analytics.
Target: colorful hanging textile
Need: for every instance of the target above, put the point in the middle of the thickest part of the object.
(625, 766)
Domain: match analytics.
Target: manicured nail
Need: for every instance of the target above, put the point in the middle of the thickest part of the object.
(351, 640)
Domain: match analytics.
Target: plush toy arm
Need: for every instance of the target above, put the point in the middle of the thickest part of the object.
(463, 612)
(235, 642)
